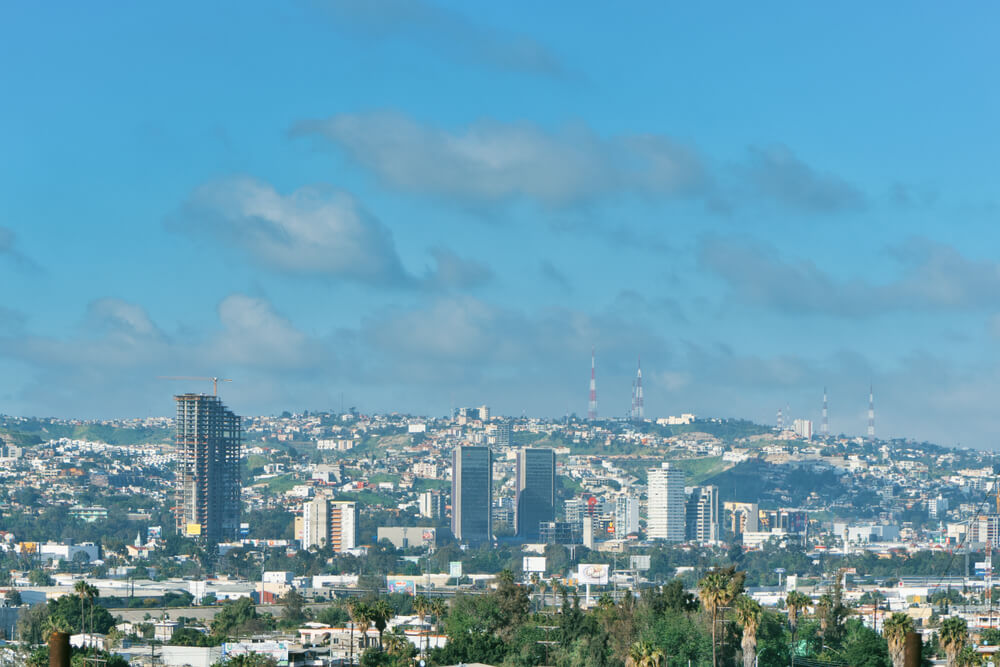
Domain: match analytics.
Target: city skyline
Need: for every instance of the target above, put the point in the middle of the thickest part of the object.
(423, 206)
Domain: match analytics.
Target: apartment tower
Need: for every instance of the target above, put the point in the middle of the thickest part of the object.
(329, 523)
(665, 516)
(208, 471)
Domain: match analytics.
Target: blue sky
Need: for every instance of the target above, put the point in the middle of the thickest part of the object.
(423, 204)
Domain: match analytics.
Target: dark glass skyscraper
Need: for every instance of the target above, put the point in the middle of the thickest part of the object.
(472, 494)
(536, 491)
(208, 468)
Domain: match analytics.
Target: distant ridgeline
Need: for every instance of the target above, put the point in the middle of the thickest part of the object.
(27, 432)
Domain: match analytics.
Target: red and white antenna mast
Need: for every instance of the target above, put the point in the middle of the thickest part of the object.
(592, 406)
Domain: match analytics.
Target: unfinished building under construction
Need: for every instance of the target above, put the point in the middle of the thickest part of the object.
(208, 468)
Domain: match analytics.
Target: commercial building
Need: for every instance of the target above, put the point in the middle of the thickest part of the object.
(626, 516)
(409, 537)
(743, 517)
(560, 532)
(472, 494)
(702, 516)
(536, 491)
(665, 518)
(430, 504)
(329, 523)
(208, 468)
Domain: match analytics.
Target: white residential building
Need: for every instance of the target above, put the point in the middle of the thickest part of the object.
(667, 503)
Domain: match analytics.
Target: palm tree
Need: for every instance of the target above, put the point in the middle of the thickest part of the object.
(542, 586)
(717, 589)
(823, 608)
(953, 635)
(749, 613)
(81, 589)
(362, 615)
(968, 657)
(440, 609)
(796, 602)
(894, 629)
(397, 644)
(383, 613)
(641, 654)
(422, 606)
(92, 594)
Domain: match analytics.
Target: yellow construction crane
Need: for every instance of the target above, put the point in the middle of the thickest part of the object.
(215, 381)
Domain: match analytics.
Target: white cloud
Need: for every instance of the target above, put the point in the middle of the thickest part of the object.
(491, 161)
(443, 30)
(933, 276)
(778, 174)
(316, 231)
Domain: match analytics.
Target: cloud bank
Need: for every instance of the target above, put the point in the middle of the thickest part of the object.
(492, 161)
(932, 276)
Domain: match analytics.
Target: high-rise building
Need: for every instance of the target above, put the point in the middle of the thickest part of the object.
(472, 494)
(702, 516)
(665, 516)
(536, 491)
(328, 523)
(430, 504)
(743, 517)
(626, 516)
(575, 509)
(503, 433)
(208, 471)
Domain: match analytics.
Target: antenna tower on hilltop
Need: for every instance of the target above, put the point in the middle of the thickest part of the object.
(592, 405)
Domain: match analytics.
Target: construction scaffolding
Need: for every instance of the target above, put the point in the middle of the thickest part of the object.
(208, 479)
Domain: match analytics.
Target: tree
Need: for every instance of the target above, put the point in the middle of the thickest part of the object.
(968, 657)
(240, 617)
(31, 625)
(383, 612)
(796, 602)
(953, 635)
(363, 615)
(80, 588)
(294, 605)
(717, 589)
(422, 606)
(677, 599)
(894, 629)
(748, 613)
(642, 654)
(40, 578)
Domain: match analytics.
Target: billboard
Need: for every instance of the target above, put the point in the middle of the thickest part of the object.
(194, 529)
(404, 586)
(455, 569)
(245, 529)
(277, 650)
(154, 533)
(592, 573)
(638, 563)
(533, 564)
